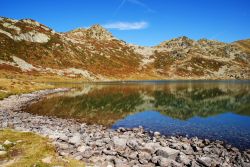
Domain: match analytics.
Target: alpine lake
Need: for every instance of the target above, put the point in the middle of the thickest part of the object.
(215, 110)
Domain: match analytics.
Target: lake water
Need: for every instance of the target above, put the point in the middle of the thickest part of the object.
(206, 109)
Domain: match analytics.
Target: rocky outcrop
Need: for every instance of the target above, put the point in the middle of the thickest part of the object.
(96, 32)
(32, 36)
(101, 146)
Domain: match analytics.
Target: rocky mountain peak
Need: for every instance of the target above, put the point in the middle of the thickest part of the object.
(94, 32)
(98, 32)
(180, 42)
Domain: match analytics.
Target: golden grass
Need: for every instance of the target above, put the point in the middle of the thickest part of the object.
(30, 149)
(17, 83)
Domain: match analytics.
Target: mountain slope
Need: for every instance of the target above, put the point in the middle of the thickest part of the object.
(95, 54)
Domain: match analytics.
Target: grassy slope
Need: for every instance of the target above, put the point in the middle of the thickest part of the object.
(17, 83)
(31, 150)
(244, 44)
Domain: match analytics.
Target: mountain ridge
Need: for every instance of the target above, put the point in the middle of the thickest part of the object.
(95, 54)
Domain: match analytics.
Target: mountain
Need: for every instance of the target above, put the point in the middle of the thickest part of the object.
(95, 54)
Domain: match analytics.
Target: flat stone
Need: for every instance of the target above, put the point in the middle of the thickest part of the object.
(109, 152)
(206, 161)
(182, 158)
(119, 142)
(167, 152)
(164, 162)
(63, 137)
(133, 155)
(78, 157)
(87, 154)
(76, 140)
(150, 147)
(82, 148)
(145, 155)
(132, 144)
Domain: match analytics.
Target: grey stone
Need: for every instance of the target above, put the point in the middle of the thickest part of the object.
(182, 158)
(119, 162)
(206, 149)
(76, 140)
(78, 157)
(119, 142)
(132, 144)
(206, 161)
(157, 133)
(150, 147)
(133, 155)
(167, 152)
(155, 159)
(82, 148)
(87, 154)
(109, 152)
(63, 137)
(145, 155)
(164, 162)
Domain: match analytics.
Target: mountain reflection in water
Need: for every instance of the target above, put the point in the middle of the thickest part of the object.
(186, 102)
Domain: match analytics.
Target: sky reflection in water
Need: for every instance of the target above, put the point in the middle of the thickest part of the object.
(215, 110)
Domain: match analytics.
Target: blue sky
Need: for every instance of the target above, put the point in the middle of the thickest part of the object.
(143, 22)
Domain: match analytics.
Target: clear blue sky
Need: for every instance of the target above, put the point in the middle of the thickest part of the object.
(143, 22)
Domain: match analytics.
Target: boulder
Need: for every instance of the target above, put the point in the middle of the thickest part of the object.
(182, 158)
(87, 154)
(133, 155)
(75, 140)
(132, 144)
(109, 152)
(206, 161)
(150, 147)
(63, 137)
(164, 162)
(119, 142)
(167, 152)
(82, 148)
(144, 156)
(157, 133)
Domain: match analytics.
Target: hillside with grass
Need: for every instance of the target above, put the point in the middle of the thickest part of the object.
(30, 48)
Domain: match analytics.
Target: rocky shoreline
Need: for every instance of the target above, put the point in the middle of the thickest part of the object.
(100, 146)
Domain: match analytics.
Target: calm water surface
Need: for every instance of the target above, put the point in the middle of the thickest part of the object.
(213, 110)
